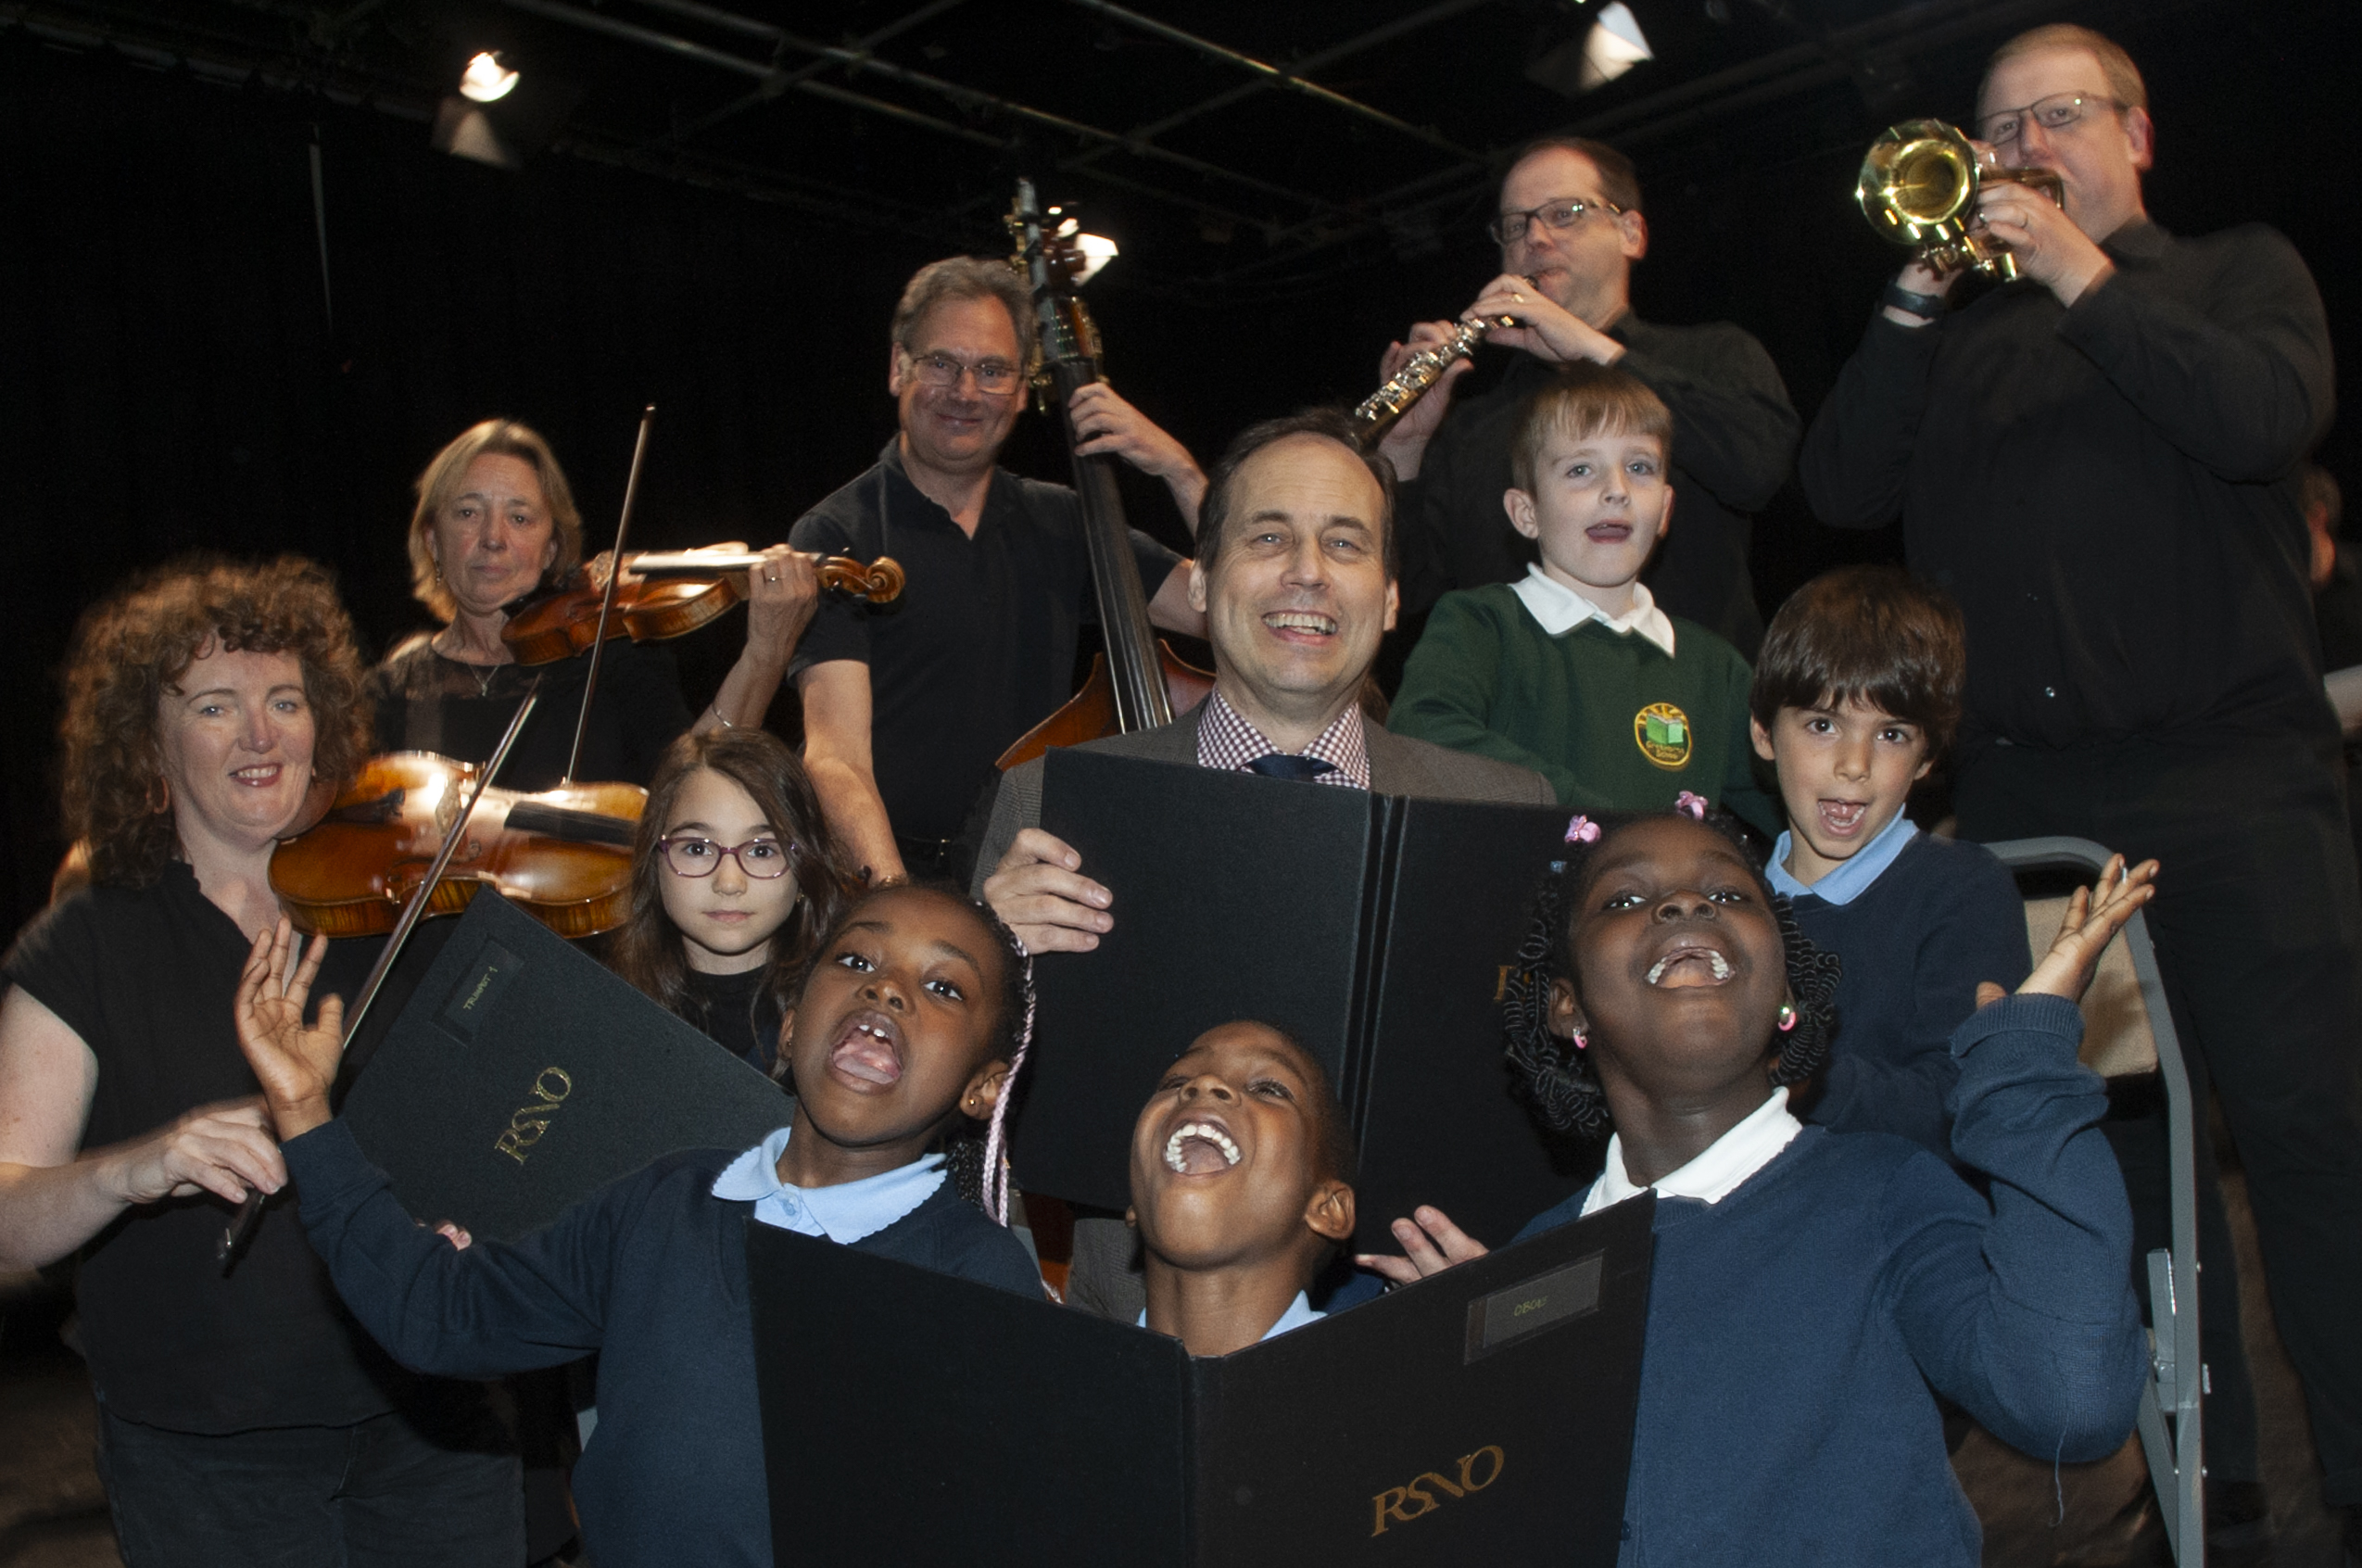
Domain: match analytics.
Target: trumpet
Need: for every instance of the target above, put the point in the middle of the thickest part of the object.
(1918, 187)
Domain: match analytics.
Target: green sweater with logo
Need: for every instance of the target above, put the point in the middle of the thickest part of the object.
(1612, 720)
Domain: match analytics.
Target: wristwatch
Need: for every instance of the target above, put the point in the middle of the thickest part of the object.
(1928, 306)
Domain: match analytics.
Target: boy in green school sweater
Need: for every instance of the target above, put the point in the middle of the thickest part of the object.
(1575, 672)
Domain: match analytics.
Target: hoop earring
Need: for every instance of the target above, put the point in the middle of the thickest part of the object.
(1788, 1017)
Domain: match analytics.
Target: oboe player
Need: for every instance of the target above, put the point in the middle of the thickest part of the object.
(1570, 227)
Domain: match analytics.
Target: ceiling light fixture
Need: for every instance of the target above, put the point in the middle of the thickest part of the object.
(486, 80)
(1614, 46)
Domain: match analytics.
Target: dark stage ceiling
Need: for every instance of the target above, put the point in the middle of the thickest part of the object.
(1252, 150)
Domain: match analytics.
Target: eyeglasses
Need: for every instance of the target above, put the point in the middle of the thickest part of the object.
(1562, 214)
(940, 369)
(759, 858)
(2054, 113)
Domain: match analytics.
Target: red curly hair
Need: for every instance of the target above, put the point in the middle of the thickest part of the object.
(133, 645)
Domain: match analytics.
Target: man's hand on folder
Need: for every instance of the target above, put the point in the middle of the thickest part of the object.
(296, 1065)
(1040, 892)
(1431, 1243)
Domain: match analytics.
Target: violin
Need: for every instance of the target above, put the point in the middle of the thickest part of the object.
(667, 595)
(564, 856)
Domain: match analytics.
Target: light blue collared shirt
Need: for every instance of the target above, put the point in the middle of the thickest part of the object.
(1853, 879)
(844, 1213)
(1299, 1313)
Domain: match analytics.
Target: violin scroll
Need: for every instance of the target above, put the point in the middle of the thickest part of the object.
(880, 582)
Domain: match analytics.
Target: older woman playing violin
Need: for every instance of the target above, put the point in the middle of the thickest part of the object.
(242, 1418)
(495, 522)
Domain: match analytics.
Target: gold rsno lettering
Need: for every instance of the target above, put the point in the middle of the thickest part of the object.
(527, 1124)
(1400, 1505)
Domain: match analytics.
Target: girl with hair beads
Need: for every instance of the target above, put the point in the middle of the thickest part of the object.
(906, 1033)
(735, 875)
(1810, 1287)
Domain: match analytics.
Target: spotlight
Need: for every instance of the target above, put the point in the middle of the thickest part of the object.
(1610, 46)
(497, 116)
(486, 80)
(1096, 251)
(1614, 46)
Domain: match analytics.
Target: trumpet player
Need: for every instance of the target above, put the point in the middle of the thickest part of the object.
(1569, 222)
(2099, 462)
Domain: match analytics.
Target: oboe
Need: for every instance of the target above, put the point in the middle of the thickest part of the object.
(1420, 371)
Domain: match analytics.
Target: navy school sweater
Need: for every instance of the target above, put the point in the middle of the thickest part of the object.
(1915, 942)
(1795, 1327)
(650, 1271)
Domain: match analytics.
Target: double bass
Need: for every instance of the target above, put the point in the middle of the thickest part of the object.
(1138, 683)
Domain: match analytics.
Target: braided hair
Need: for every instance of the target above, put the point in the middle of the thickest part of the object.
(977, 1158)
(1556, 1079)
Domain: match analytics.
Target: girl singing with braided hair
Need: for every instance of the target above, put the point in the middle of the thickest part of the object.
(911, 1021)
(1813, 1291)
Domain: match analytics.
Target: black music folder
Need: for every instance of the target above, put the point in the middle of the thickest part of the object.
(1483, 1416)
(1375, 929)
(523, 1075)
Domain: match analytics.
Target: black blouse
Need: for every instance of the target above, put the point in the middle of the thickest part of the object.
(734, 1011)
(147, 977)
(427, 702)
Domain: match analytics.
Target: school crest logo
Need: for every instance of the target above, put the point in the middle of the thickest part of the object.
(1661, 731)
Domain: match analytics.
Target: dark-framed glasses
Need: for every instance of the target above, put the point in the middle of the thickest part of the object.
(685, 854)
(2054, 113)
(1561, 214)
(940, 369)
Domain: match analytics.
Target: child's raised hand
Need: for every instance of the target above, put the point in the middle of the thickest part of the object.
(296, 1065)
(1431, 1243)
(2093, 916)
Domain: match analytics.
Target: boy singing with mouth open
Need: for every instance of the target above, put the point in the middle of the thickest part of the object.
(1239, 1167)
(1857, 696)
(1575, 672)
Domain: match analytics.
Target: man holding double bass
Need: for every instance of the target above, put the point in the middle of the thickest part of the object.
(906, 706)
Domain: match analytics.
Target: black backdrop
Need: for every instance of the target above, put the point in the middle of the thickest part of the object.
(170, 377)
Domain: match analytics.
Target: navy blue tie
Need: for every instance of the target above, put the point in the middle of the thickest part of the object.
(1279, 764)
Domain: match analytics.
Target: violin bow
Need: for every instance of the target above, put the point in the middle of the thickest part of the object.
(607, 604)
(240, 1231)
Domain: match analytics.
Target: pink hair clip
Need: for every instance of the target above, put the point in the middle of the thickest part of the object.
(1581, 830)
(1691, 804)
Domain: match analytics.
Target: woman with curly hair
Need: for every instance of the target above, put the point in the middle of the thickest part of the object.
(495, 524)
(1810, 1288)
(211, 708)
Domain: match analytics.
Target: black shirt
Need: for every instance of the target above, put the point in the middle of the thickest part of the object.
(981, 646)
(427, 702)
(147, 977)
(736, 1011)
(1734, 432)
(2108, 489)
(2338, 606)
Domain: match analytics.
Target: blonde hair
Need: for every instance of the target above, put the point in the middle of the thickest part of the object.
(1582, 401)
(2124, 77)
(440, 483)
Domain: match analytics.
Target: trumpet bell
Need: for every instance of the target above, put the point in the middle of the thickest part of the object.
(1918, 187)
(1918, 182)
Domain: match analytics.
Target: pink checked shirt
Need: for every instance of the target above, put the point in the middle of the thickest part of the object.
(1227, 742)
